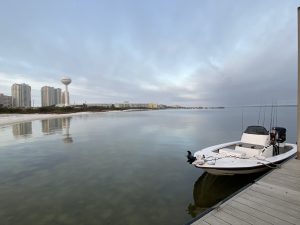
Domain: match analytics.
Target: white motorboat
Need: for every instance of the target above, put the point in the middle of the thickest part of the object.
(258, 150)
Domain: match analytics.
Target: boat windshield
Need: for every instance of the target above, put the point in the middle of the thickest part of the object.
(256, 130)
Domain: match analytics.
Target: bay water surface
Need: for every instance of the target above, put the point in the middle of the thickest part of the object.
(120, 167)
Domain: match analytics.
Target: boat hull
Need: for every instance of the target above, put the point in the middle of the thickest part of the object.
(239, 166)
(220, 171)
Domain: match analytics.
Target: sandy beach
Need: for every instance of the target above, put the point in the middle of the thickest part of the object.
(6, 119)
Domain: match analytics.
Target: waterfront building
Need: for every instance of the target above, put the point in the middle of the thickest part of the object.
(137, 105)
(47, 95)
(5, 101)
(152, 106)
(104, 105)
(57, 96)
(50, 96)
(21, 95)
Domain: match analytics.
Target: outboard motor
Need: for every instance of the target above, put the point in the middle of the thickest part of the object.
(277, 135)
(190, 157)
(280, 134)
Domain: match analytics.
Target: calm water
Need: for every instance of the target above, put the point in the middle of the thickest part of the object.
(118, 167)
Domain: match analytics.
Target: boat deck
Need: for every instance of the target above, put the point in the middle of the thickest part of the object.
(281, 149)
(274, 199)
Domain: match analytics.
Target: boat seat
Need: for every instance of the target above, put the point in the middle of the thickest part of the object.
(231, 153)
(249, 152)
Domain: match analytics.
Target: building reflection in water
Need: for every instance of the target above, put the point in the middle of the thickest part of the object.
(66, 125)
(58, 125)
(22, 129)
(51, 126)
(211, 189)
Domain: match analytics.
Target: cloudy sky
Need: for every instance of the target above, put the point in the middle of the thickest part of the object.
(187, 52)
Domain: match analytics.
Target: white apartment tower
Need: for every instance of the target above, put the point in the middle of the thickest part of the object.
(57, 96)
(50, 96)
(21, 95)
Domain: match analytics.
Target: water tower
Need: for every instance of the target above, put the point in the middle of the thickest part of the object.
(66, 81)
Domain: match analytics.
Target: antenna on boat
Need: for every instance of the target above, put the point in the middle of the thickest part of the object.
(242, 119)
(259, 115)
(271, 119)
(298, 100)
(264, 115)
(276, 110)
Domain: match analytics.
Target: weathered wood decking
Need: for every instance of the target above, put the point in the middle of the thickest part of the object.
(274, 199)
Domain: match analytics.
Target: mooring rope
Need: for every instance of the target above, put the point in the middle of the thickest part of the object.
(275, 166)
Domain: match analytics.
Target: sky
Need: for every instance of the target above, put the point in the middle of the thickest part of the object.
(174, 52)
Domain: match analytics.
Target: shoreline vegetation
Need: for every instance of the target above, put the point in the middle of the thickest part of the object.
(85, 108)
(54, 110)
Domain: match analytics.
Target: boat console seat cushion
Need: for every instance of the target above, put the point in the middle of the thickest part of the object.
(231, 153)
(250, 152)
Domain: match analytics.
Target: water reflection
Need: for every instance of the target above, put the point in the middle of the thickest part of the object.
(51, 126)
(58, 125)
(210, 189)
(22, 129)
(66, 124)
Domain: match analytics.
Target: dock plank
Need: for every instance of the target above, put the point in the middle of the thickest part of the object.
(286, 173)
(274, 199)
(244, 216)
(285, 218)
(285, 206)
(285, 177)
(200, 222)
(292, 164)
(264, 215)
(274, 192)
(215, 220)
(229, 218)
(282, 182)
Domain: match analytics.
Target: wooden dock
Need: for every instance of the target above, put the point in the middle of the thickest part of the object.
(274, 199)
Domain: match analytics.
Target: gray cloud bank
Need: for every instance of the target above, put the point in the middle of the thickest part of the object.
(172, 52)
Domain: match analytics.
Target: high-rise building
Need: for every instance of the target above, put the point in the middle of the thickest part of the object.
(5, 101)
(21, 95)
(50, 96)
(58, 96)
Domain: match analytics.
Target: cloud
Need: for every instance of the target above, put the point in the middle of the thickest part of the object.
(170, 52)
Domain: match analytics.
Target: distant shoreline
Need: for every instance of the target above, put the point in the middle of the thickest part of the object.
(257, 106)
(19, 117)
(8, 119)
